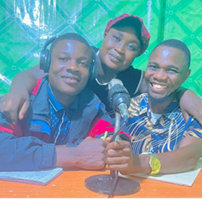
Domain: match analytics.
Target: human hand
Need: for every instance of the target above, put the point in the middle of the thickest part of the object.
(90, 154)
(119, 157)
(14, 105)
(191, 104)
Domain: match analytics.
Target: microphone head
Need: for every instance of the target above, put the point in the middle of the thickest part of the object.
(117, 94)
(113, 82)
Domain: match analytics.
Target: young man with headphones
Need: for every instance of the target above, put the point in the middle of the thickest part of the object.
(64, 115)
(125, 38)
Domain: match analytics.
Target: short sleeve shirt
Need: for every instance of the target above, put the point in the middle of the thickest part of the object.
(165, 134)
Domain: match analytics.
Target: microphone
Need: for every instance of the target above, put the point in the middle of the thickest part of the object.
(114, 184)
(119, 98)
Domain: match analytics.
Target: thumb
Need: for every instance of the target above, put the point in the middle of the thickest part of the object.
(23, 109)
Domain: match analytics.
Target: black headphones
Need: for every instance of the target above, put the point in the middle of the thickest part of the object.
(45, 60)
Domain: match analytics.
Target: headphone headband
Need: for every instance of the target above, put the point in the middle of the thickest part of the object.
(49, 42)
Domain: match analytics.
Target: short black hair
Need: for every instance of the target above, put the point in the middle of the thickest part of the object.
(174, 43)
(132, 22)
(69, 36)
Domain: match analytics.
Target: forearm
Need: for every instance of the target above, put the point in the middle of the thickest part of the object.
(26, 79)
(180, 160)
(25, 153)
(66, 157)
(89, 154)
(180, 92)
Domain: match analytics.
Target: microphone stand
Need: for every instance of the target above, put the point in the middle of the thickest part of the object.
(112, 184)
(117, 127)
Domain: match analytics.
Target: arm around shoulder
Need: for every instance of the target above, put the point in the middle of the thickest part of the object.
(15, 104)
(27, 79)
(190, 104)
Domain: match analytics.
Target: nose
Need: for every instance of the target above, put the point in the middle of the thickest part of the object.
(72, 65)
(160, 75)
(120, 47)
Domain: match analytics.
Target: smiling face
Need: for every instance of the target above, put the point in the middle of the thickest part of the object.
(119, 48)
(69, 69)
(166, 71)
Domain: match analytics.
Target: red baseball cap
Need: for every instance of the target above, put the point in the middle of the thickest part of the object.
(145, 36)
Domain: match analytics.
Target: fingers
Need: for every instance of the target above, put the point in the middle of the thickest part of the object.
(121, 164)
(119, 156)
(8, 109)
(14, 109)
(119, 144)
(117, 160)
(24, 109)
(10, 105)
(119, 152)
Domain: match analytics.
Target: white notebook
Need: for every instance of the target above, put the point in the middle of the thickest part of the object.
(31, 177)
(185, 178)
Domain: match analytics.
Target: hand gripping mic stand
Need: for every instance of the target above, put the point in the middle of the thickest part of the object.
(113, 184)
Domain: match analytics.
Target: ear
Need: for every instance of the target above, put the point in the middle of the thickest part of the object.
(187, 75)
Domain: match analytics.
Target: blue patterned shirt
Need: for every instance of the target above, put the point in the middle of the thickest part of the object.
(163, 135)
(60, 119)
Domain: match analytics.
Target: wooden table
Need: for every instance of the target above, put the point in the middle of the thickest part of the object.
(70, 184)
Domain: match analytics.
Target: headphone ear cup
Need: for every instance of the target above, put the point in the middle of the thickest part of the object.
(94, 69)
(45, 60)
(45, 57)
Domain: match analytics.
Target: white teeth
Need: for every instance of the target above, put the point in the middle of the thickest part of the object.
(158, 86)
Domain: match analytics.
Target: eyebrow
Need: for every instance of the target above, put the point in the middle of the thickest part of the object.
(132, 41)
(66, 53)
(169, 66)
(83, 57)
(175, 67)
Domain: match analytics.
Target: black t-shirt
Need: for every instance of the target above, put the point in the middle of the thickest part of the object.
(130, 77)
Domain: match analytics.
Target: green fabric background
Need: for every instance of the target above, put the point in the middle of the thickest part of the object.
(25, 25)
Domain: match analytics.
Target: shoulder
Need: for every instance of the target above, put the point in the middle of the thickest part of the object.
(88, 98)
(193, 128)
(138, 104)
(130, 71)
(95, 49)
(90, 103)
(39, 84)
(131, 79)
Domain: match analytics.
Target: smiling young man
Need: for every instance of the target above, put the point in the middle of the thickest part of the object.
(125, 38)
(156, 123)
(62, 116)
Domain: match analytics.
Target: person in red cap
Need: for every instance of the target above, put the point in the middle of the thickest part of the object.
(125, 38)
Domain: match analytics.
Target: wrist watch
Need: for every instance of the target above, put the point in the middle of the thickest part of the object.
(155, 164)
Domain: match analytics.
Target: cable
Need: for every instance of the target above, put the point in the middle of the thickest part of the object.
(115, 134)
(117, 173)
(114, 185)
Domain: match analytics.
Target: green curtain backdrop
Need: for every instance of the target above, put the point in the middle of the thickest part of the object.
(25, 25)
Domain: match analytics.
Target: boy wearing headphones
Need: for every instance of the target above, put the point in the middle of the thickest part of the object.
(62, 116)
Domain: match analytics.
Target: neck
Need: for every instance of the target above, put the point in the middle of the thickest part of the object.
(106, 74)
(64, 99)
(159, 107)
